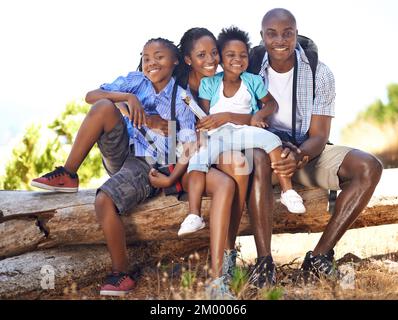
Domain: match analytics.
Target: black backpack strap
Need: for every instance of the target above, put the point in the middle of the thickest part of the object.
(173, 145)
(256, 57)
(311, 52)
(294, 100)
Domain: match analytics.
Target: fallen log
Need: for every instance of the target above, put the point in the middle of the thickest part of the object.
(49, 272)
(37, 220)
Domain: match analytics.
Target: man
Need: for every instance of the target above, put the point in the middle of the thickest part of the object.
(314, 163)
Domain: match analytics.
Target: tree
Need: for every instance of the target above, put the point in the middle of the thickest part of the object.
(382, 113)
(41, 149)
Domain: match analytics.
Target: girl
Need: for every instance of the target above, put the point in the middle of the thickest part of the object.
(237, 91)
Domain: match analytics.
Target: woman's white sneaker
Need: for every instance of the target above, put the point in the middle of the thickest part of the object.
(293, 201)
(191, 223)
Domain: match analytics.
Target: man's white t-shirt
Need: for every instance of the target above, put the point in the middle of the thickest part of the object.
(281, 88)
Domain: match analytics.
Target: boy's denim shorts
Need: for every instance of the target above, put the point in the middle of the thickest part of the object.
(128, 184)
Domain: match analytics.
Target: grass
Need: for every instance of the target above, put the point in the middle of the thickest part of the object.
(373, 279)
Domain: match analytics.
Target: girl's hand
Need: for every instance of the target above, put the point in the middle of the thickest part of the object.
(137, 113)
(158, 124)
(258, 121)
(159, 180)
(213, 121)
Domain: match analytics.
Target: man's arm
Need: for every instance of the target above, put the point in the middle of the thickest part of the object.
(318, 137)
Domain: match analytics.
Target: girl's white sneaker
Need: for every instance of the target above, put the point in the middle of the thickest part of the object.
(293, 201)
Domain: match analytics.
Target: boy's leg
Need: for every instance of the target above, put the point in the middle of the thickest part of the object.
(117, 196)
(104, 124)
(102, 118)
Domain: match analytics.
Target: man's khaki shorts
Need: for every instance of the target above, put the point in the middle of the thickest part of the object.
(322, 170)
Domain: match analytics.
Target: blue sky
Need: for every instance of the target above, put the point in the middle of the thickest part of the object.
(54, 52)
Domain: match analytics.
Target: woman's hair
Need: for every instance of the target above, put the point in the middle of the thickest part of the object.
(230, 34)
(170, 45)
(186, 45)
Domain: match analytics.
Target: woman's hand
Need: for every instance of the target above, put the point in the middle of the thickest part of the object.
(158, 179)
(158, 124)
(137, 113)
(213, 121)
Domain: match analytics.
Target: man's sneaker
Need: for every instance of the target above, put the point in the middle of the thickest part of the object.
(117, 284)
(229, 264)
(293, 201)
(58, 180)
(263, 272)
(218, 290)
(321, 265)
(191, 223)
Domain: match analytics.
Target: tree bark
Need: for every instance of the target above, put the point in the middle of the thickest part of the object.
(37, 220)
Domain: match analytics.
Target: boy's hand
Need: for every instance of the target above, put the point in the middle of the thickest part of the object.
(137, 113)
(258, 121)
(158, 179)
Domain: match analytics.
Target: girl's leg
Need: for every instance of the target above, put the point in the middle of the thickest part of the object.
(102, 117)
(113, 230)
(285, 182)
(236, 166)
(196, 187)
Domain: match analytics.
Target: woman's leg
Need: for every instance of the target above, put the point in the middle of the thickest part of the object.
(102, 117)
(221, 188)
(236, 166)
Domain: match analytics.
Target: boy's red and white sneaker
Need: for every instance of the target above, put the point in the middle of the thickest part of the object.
(58, 180)
(117, 284)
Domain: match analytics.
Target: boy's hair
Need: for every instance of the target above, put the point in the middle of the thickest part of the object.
(186, 45)
(170, 45)
(232, 33)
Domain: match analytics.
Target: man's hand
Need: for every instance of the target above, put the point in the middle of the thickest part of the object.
(137, 114)
(158, 124)
(213, 121)
(258, 121)
(158, 179)
(292, 160)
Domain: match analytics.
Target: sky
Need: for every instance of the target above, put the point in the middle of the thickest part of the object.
(54, 52)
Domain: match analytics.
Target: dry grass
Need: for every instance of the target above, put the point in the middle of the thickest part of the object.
(374, 278)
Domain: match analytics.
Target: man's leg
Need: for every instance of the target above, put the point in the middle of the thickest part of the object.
(261, 202)
(359, 175)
